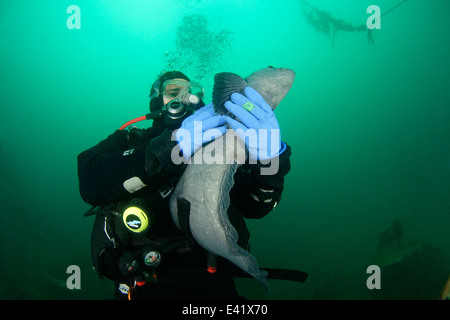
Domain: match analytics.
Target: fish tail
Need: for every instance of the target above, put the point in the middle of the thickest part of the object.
(253, 268)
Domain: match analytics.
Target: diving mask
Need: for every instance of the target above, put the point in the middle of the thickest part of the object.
(173, 89)
(177, 88)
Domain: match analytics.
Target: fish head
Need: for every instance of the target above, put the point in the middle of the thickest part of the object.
(272, 83)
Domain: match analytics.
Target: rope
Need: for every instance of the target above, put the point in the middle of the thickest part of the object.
(395, 7)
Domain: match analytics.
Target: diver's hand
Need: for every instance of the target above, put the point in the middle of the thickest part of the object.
(258, 127)
(201, 127)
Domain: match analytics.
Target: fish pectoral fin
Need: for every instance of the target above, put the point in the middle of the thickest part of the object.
(225, 84)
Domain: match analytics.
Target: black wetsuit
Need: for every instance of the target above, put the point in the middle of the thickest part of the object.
(145, 154)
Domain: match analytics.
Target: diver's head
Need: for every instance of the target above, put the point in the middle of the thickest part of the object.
(173, 85)
(176, 96)
(157, 100)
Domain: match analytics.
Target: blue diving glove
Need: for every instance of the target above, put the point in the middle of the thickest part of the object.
(199, 128)
(257, 126)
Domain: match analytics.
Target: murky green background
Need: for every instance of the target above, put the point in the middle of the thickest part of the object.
(368, 126)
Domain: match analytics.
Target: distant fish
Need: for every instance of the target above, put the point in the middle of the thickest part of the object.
(206, 187)
(396, 253)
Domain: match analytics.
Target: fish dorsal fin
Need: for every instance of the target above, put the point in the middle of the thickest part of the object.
(225, 84)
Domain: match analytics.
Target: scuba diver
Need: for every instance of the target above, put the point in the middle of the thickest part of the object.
(325, 23)
(129, 177)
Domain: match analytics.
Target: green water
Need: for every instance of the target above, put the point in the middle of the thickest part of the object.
(368, 126)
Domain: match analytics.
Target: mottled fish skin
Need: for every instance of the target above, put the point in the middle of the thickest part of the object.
(206, 185)
(272, 83)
